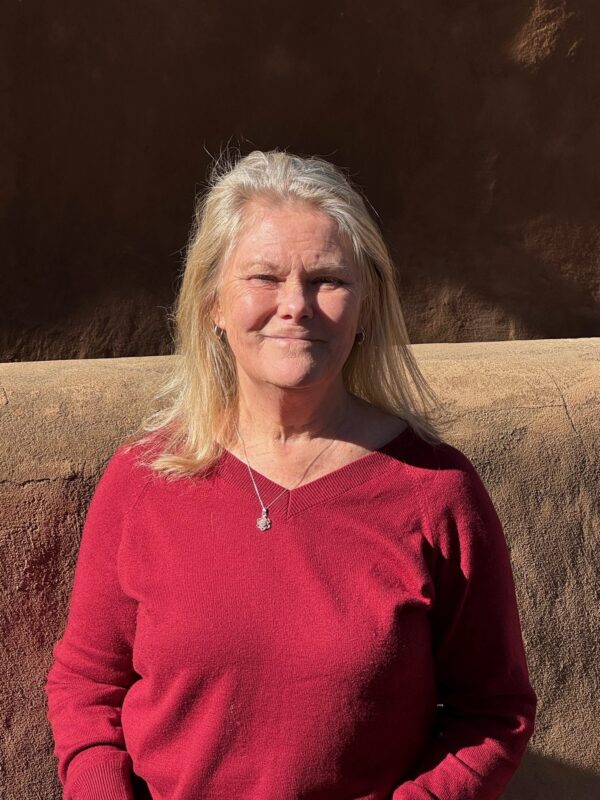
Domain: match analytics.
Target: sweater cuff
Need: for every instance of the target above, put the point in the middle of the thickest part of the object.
(412, 791)
(103, 780)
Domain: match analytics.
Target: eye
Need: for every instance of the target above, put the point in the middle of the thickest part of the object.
(261, 277)
(327, 279)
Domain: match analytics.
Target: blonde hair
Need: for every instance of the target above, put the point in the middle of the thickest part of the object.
(193, 426)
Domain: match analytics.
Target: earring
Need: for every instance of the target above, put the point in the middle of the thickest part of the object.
(219, 332)
(360, 337)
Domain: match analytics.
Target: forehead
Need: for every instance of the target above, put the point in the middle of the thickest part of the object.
(289, 230)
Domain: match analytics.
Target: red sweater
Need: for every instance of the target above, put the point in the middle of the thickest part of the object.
(367, 647)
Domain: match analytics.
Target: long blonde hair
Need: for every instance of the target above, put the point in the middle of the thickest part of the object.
(192, 427)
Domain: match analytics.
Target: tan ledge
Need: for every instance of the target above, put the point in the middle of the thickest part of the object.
(525, 412)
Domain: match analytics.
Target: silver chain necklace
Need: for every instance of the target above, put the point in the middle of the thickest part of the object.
(264, 522)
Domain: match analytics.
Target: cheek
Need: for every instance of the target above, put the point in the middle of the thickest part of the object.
(342, 312)
(247, 311)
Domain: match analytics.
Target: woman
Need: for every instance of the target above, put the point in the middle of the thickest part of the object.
(289, 587)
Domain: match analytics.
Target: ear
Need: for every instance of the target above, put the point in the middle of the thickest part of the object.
(217, 315)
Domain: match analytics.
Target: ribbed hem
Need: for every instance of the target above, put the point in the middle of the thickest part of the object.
(104, 780)
(412, 791)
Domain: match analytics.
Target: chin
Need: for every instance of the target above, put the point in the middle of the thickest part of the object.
(294, 379)
(291, 383)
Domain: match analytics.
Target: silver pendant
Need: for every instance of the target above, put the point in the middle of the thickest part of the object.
(263, 523)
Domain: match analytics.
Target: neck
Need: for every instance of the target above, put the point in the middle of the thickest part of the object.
(274, 419)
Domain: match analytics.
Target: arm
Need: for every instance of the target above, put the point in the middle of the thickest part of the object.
(488, 706)
(92, 668)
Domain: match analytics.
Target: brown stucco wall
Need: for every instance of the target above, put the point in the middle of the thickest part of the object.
(473, 128)
(526, 414)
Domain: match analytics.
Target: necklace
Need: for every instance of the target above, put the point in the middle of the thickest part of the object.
(264, 522)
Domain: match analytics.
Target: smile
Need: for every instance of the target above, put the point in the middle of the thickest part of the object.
(290, 339)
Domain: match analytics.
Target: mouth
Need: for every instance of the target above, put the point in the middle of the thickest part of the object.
(291, 339)
(294, 342)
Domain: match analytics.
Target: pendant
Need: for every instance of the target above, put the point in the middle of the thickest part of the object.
(263, 523)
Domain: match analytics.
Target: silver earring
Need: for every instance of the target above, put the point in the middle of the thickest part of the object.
(360, 337)
(219, 332)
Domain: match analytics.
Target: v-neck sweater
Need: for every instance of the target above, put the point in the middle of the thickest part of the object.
(366, 647)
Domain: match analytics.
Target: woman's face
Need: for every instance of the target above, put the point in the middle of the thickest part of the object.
(290, 297)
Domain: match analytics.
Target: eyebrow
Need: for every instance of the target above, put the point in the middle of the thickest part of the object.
(263, 262)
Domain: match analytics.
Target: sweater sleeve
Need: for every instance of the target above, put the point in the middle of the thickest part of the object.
(92, 668)
(486, 704)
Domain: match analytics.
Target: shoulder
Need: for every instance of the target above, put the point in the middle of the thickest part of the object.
(438, 464)
(126, 462)
(124, 476)
(447, 481)
(122, 482)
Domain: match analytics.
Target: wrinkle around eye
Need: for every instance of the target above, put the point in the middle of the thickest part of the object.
(263, 278)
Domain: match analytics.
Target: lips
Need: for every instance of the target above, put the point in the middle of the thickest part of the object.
(292, 338)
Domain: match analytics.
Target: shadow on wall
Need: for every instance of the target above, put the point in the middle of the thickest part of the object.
(540, 776)
(471, 128)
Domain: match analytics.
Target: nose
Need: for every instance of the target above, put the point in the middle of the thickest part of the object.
(295, 301)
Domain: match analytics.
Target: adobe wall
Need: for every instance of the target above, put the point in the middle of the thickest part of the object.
(526, 413)
(472, 128)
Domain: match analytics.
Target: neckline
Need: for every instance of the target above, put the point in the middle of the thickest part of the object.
(293, 501)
